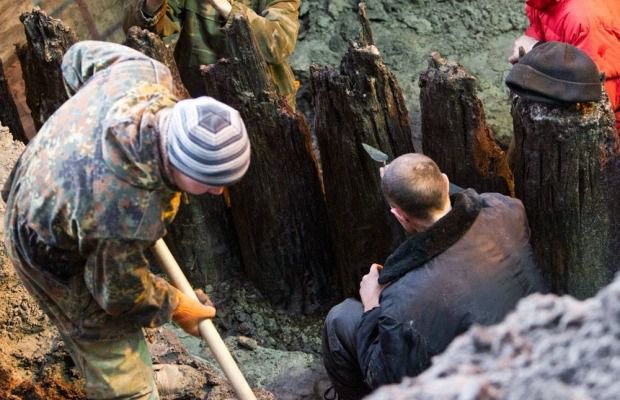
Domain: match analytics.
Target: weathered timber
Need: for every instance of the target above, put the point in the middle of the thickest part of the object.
(203, 239)
(202, 236)
(567, 174)
(454, 129)
(151, 45)
(278, 208)
(9, 116)
(41, 58)
(361, 103)
(365, 36)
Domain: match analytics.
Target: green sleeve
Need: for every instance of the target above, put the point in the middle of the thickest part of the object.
(166, 22)
(275, 28)
(118, 276)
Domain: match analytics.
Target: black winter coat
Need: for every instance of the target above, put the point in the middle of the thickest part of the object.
(471, 266)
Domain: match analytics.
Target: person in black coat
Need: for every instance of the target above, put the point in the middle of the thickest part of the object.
(467, 262)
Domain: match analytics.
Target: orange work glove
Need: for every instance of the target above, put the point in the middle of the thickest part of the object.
(189, 312)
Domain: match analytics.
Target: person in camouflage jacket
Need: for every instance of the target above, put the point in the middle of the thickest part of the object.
(196, 25)
(92, 193)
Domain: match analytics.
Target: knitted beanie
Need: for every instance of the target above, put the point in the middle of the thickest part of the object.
(555, 72)
(207, 141)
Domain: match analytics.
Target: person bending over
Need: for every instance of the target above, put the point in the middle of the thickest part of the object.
(95, 189)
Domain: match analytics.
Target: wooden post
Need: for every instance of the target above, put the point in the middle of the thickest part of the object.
(151, 45)
(567, 173)
(361, 103)
(202, 236)
(454, 129)
(9, 116)
(278, 208)
(41, 57)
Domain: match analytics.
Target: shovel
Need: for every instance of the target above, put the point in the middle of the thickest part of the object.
(381, 157)
(206, 327)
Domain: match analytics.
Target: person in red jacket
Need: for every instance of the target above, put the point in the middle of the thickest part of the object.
(591, 26)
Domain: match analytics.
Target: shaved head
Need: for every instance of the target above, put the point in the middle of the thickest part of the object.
(414, 183)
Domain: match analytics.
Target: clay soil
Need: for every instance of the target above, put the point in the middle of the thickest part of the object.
(33, 364)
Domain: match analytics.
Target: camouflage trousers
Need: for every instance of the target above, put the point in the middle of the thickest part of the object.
(115, 369)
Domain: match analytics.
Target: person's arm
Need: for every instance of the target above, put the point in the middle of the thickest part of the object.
(532, 35)
(535, 30)
(523, 42)
(370, 289)
(117, 274)
(384, 344)
(275, 28)
(389, 349)
(159, 16)
(590, 38)
(84, 59)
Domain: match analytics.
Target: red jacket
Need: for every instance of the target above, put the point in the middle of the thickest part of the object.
(590, 25)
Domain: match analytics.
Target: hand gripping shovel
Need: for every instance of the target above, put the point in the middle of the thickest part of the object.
(206, 327)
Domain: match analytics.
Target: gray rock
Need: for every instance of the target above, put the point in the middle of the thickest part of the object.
(289, 375)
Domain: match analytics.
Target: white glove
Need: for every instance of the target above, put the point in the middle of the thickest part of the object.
(525, 42)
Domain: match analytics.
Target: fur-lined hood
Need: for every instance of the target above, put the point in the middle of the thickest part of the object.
(424, 246)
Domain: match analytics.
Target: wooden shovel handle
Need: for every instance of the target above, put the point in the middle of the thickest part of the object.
(206, 327)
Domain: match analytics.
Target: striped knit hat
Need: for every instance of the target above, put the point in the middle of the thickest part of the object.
(207, 141)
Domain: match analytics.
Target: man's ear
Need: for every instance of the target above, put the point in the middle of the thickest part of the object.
(400, 216)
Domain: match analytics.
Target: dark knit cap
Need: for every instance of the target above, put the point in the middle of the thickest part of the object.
(208, 141)
(555, 72)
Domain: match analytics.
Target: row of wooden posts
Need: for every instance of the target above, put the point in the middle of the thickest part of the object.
(305, 233)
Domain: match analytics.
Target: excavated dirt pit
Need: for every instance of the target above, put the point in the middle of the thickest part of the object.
(277, 352)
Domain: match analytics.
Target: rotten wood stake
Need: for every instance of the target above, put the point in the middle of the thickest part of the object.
(454, 129)
(9, 116)
(361, 103)
(278, 208)
(567, 173)
(41, 58)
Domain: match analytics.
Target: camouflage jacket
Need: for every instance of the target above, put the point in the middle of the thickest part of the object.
(88, 197)
(197, 28)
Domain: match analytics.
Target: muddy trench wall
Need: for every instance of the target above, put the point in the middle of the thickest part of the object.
(325, 32)
(477, 34)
